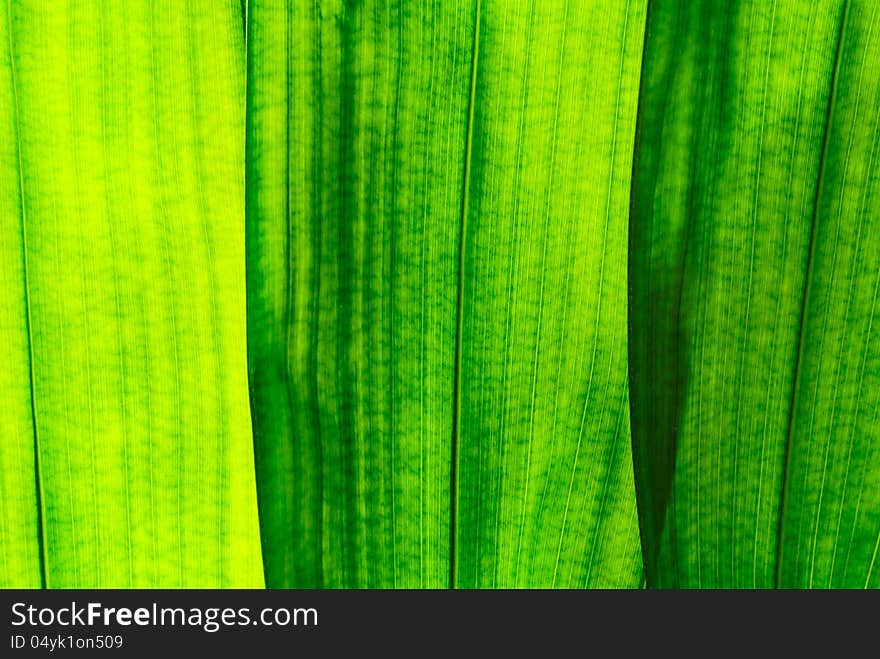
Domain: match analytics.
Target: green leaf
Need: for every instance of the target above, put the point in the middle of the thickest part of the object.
(544, 484)
(356, 142)
(411, 233)
(436, 277)
(20, 556)
(831, 518)
(751, 351)
(123, 227)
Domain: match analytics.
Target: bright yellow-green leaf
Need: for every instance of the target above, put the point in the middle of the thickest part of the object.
(123, 228)
(20, 529)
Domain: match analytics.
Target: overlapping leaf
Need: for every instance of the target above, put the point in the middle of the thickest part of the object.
(752, 273)
(442, 199)
(437, 271)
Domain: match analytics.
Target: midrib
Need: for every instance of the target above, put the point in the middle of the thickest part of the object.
(456, 423)
(823, 159)
(41, 526)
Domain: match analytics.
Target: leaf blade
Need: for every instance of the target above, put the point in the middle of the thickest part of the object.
(546, 494)
(20, 527)
(832, 511)
(135, 268)
(734, 232)
(372, 126)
